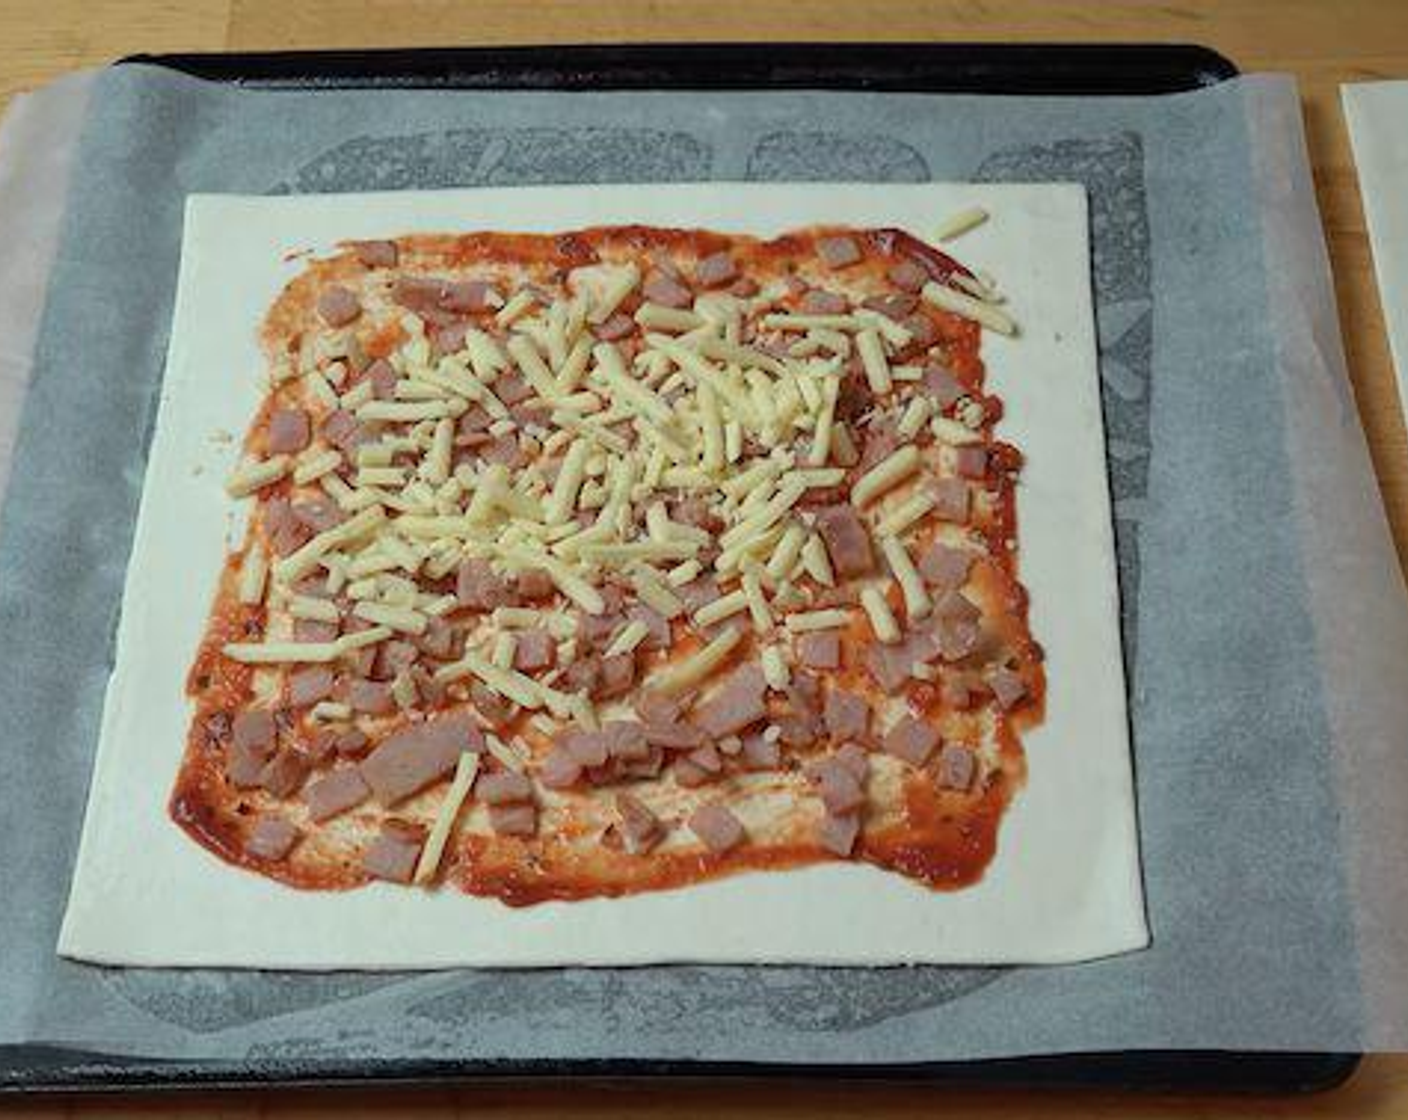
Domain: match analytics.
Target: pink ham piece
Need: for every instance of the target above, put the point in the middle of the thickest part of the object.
(503, 788)
(699, 766)
(318, 514)
(615, 328)
(908, 276)
(419, 755)
(284, 773)
(618, 674)
(716, 827)
(338, 306)
(392, 659)
(271, 838)
(479, 588)
(922, 330)
(438, 640)
(893, 306)
(957, 638)
(847, 542)
(838, 252)
(559, 770)
(745, 287)
(512, 389)
(846, 715)
(971, 462)
(533, 585)
(739, 703)
(505, 450)
(372, 698)
(698, 592)
(583, 675)
(311, 630)
(911, 740)
(951, 500)
(449, 340)
(716, 270)
(352, 743)
(662, 289)
(654, 708)
(534, 651)
(818, 301)
(383, 377)
(761, 753)
(1008, 688)
(320, 748)
(253, 729)
(820, 650)
(889, 666)
(625, 739)
(957, 767)
(244, 767)
(942, 386)
(587, 748)
(838, 833)
(342, 430)
(855, 759)
(597, 631)
(657, 627)
(514, 820)
(945, 566)
(641, 829)
(468, 297)
(393, 854)
(673, 735)
(956, 693)
(836, 784)
(956, 606)
(335, 793)
(289, 431)
(377, 254)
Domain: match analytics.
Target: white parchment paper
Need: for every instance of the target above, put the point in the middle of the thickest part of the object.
(1065, 883)
(1262, 609)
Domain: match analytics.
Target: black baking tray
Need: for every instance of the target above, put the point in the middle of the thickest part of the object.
(1047, 69)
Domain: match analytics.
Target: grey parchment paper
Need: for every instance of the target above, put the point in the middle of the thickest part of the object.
(1263, 610)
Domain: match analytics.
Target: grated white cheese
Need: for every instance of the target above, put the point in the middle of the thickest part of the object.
(466, 770)
(887, 630)
(961, 303)
(253, 476)
(960, 223)
(689, 671)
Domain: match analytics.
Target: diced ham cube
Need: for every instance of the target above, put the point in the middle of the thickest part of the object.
(716, 827)
(583, 675)
(838, 252)
(956, 606)
(818, 301)
(921, 328)
(311, 630)
(674, 735)
(618, 674)
(338, 306)
(820, 650)
(383, 377)
(588, 748)
(847, 715)
(836, 784)
(289, 431)
(450, 339)
(468, 296)
(438, 640)
(512, 389)
(956, 693)
(503, 788)
(890, 666)
(855, 758)
(697, 593)
(419, 755)
(908, 276)
(894, 306)
(667, 292)
(846, 540)
(533, 584)
(761, 752)
(244, 766)
(479, 588)
(335, 793)
(615, 328)
(1008, 688)
(370, 697)
(690, 775)
(559, 770)
(352, 743)
(394, 853)
(284, 773)
(254, 730)
(957, 767)
(740, 702)
(641, 829)
(342, 430)
(393, 658)
(625, 739)
(597, 631)
(308, 686)
(533, 651)
(377, 254)
(912, 740)
(658, 633)
(957, 638)
(971, 462)
(271, 838)
(654, 708)
(514, 820)
(951, 499)
(838, 833)
(942, 386)
(716, 270)
(944, 566)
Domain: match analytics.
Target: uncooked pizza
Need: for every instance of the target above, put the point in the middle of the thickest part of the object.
(617, 560)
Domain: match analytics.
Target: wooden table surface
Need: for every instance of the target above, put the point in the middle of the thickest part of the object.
(1323, 44)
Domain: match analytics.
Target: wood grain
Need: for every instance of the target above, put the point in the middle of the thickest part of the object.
(1322, 43)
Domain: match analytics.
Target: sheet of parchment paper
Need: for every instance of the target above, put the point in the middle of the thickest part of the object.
(1064, 885)
(1262, 609)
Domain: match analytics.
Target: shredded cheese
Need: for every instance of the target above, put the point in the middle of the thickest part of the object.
(917, 603)
(832, 618)
(775, 670)
(250, 477)
(689, 671)
(466, 770)
(959, 224)
(886, 474)
(887, 630)
(254, 572)
(961, 303)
